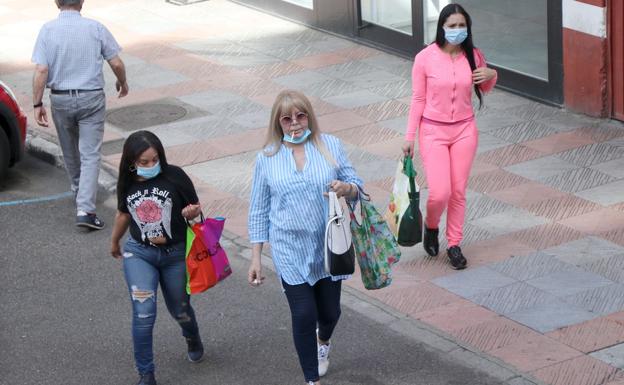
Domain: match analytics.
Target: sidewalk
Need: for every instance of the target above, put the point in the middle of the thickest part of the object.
(544, 234)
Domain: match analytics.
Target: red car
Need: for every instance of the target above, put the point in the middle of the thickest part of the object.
(12, 130)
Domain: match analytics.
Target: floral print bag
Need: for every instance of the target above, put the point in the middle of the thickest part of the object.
(376, 249)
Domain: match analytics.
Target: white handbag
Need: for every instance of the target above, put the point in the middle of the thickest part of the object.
(339, 251)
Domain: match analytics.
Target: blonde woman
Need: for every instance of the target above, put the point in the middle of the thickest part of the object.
(289, 210)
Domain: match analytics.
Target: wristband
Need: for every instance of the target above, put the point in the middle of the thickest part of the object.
(38, 105)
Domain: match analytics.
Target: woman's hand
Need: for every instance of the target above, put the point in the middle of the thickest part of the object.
(408, 148)
(115, 250)
(342, 189)
(482, 75)
(254, 275)
(191, 211)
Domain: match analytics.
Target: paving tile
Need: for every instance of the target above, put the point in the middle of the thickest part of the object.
(618, 379)
(489, 182)
(541, 168)
(211, 98)
(341, 120)
(592, 154)
(480, 167)
(600, 301)
(615, 236)
(493, 334)
(562, 207)
(400, 89)
(534, 352)
(531, 266)
(586, 250)
(522, 132)
(347, 69)
(397, 124)
(613, 356)
(552, 314)
(601, 132)
(611, 268)
(372, 79)
(390, 63)
(495, 119)
(319, 60)
(568, 282)
(301, 79)
(512, 298)
(592, 335)
(569, 122)
(382, 111)
(326, 88)
(508, 221)
(596, 222)
(508, 155)
(356, 99)
(577, 371)
(471, 282)
(455, 316)
(494, 250)
(527, 194)
(614, 167)
(481, 205)
(558, 142)
(606, 194)
(535, 111)
(577, 179)
(230, 174)
(371, 134)
(418, 297)
(489, 142)
(545, 236)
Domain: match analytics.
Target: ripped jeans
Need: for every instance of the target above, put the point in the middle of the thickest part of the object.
(144, 267)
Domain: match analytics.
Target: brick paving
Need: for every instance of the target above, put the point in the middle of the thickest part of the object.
(544, 291)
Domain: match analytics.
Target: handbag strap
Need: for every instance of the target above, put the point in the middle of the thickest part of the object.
(335, 209)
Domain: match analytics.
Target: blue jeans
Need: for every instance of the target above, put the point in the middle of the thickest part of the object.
(309, 306)
(144, 267)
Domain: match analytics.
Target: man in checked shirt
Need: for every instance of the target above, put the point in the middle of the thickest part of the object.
(69, 55)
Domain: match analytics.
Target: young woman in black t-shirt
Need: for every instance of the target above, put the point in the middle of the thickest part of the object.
(154, 199)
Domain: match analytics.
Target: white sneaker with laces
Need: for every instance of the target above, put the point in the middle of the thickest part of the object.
(323, 359)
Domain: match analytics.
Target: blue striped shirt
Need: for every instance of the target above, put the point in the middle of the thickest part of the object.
(74, 49)
(288, 208)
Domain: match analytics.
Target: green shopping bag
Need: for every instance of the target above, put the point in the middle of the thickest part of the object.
(376, 249)
(403, 213)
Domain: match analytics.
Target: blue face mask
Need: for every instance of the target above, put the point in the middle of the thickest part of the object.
(301, 139)
(455, 36)
(148, 172)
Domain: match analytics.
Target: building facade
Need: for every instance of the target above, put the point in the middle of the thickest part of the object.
(562, 52)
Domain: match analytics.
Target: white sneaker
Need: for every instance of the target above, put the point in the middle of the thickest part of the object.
(323, 358)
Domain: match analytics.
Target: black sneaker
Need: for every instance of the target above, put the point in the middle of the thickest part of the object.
(195, 348)
(457, 259)
(90, 220)
(147, 379)
(430, 242)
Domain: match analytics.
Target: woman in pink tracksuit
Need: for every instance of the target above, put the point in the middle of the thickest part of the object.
(443, 77)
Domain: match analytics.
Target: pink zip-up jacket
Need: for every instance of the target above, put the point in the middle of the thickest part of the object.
(442, 87)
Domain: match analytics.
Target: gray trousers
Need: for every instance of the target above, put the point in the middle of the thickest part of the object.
(79, 121)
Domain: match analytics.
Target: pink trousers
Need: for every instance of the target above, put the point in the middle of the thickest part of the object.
(447, 151)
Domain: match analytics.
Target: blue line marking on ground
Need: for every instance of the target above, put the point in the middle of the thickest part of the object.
(37, 200)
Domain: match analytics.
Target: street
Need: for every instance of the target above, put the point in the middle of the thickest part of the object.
(66, 315)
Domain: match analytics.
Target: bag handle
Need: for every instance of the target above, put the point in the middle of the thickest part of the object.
(362, 196)
(410, 172)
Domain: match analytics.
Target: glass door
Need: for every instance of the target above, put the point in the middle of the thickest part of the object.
(391, 23)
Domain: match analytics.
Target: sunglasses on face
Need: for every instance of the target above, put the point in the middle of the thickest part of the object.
(288, 120)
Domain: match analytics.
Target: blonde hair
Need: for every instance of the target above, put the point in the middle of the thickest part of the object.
(285, 102)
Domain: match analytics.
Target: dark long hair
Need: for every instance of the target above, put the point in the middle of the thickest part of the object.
(135, 145)
(467, 45)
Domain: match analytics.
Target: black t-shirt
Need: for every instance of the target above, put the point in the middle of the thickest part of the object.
(156, 206)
